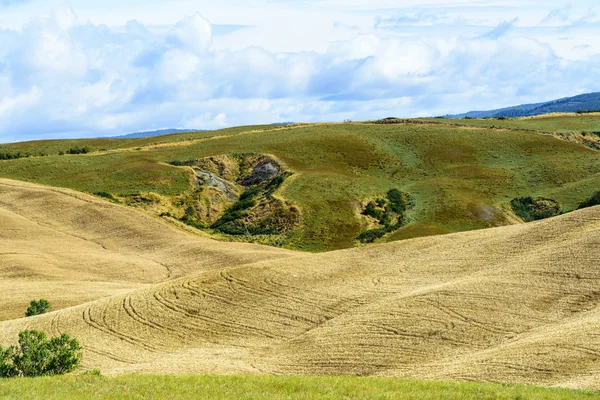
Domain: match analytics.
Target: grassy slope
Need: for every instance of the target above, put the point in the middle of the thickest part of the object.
(544, 123)
(461, 178)
(513, 304)
(268, 387)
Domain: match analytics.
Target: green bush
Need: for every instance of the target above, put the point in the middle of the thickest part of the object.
(371, 235)
(400, 202)
(35, 355)
(397, 201)
(6, 155)
(186, 163)
(79, 150)
(193, 223)
(592, 201)
(37, 307)
(229, 216)
(243, 204)
(92, 372)
(391, 218)
(530, 209)
(372, 211)
(106, 195)
(252, 193)
(233, 228)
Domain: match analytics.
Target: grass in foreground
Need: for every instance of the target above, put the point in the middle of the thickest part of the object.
(269, 387)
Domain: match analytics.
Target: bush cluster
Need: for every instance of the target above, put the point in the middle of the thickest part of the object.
(107, 196)
(7, 155)
(35, 355)
(530, 209)
(592, 201)
(389, 212)
(372, 234)
(231, 223)
(79, 150)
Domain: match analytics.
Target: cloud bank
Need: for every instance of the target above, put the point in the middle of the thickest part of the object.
(61, 77)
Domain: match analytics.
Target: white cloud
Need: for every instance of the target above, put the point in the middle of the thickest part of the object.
(194, 33)
(61, 76)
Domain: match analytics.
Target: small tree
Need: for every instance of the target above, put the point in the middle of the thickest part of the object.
(35, 355)
(37, 307)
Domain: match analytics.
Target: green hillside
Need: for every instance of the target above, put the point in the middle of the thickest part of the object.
(460, 178)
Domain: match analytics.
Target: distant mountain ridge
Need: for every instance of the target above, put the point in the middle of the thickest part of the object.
(583, 102)
(161, 132)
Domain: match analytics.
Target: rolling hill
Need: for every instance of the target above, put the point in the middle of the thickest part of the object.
(583, 102)
(459, 177)
(95, 249)
(514, 304)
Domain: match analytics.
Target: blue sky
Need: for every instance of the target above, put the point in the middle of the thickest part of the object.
(102, 68)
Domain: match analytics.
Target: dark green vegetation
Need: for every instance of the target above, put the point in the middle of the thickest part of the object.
(390, 214)
(35, 355)
(462, 178)
(6, 155)
(37, 307)
(530, 209)
(592, 201)
(270, 387)
(79, 150)
(235, 222)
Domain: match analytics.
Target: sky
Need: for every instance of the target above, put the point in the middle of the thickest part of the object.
(102, 68)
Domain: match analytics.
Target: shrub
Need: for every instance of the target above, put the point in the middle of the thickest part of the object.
(592, 201)
(190, 212)
(193, 223)
(92, 372)
(530, 209)
(6, 155)
(35, 355)
(243, 204)
(233, 228)
(105, 195)
(252, 193)
(186, 163)
(386, 219)
(372, 211)
(371, 235)
(229, 216)
(37, 307)
(79, 150)
(400, 201)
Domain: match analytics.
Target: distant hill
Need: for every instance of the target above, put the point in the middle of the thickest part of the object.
(138, 135)
(584, 102)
